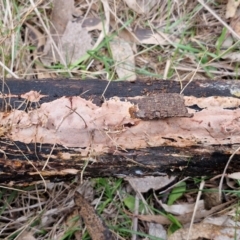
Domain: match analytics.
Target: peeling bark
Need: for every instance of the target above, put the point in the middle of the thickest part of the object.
(161, 105)
(51, 128)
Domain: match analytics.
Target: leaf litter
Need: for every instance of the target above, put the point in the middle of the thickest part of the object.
(56, 203)
(72, 40)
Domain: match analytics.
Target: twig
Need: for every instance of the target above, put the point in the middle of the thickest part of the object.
(224, 171)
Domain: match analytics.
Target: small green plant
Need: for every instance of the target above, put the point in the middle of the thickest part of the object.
(129, 202)
(174, 226)
(176, 192)
(109, 188)
(220, 40)
(6, 202)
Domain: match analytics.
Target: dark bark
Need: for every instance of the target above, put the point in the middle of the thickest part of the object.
(19, 161)
(94, 88)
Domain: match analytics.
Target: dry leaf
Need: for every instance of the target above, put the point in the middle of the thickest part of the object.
(147, 36)
(26, 236)
(228, 42)
(235, 23)
(233, 56)
(133, 4)
(231, 183)
(185, 218)
(182, 209)
(232, 8)
(145, 184)
(215, 228)
(153, 218)
(75, 42)
(200, 230)
(92, 24)
(220, 220)
(72, 45)
(138, 36)
(124, 59)
(141, 6)
(235, 175)
(71, 39)
(157, 230)
(61, 14)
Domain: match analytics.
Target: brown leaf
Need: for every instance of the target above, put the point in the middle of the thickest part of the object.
(144, 184)
(61, 15)
(200, 230)
(141, 6)
(124, 59)
(185, 218)
(71, 39)
(138, 35)
(75, 42)
(157, 230)
(26, 236)
(232, 6)
(235, 23)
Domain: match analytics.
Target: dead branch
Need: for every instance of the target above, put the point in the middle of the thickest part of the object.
(52, 128)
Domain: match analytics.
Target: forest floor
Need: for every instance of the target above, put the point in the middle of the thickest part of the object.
(121, 40)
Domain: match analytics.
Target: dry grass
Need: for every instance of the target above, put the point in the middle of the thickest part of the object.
(193, 51)
(191, 33)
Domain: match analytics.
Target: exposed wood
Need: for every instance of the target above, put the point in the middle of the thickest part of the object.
(70, 124)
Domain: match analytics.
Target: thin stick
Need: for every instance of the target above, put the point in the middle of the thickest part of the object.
(74, 110)
(224, 171)
(195, 207)
(45, 164)
(8, 70)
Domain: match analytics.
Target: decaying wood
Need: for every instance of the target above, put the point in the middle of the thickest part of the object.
(94, 224)
(160, 105)
(52, 129)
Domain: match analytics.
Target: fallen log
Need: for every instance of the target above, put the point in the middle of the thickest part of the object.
(55, 129)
